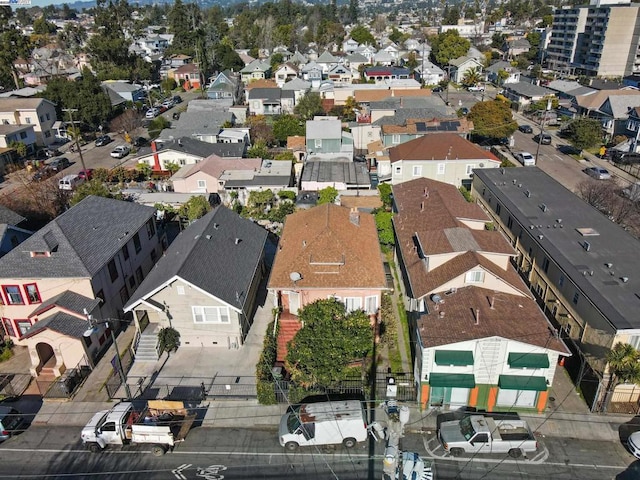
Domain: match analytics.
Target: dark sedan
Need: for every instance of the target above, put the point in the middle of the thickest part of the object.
(525, 128)
(103, 140)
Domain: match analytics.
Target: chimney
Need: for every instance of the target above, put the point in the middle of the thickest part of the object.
(492, 301)
(477, 315)
(354, 216)
(156, 157)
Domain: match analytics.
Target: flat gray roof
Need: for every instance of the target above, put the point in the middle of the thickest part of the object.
(565, 222)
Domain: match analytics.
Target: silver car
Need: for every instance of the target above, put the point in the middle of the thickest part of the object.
(598, 173)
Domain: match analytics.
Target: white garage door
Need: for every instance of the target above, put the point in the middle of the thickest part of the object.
(517, 398)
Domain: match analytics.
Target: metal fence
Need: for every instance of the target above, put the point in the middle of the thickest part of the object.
(287, 391)
(14, 384)
(114, 384)
(67, 384)
(583, 376)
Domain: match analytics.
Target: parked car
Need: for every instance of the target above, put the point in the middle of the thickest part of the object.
(569, 150)
(525, 128)
(153, 112)
(59, 164)
(43, 174)
(598, 173)
(634, 444)
(103, 140)
(52, 152)
(70, 182)
(120, 151)
(437, 89)
(525, 158)
(168, 103)
(11, 422)
(545, 139)
(177, 99)
(476, 88)
(86, 174)
(140, 142)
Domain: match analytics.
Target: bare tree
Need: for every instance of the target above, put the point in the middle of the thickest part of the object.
(126, 122)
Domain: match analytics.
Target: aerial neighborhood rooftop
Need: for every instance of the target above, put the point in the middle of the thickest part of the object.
(441, 208)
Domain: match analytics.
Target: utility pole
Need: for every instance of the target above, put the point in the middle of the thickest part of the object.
(544, 119)
(396, 463)
(70, 111)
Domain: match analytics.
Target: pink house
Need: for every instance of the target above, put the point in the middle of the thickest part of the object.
(326, 251)
(204, 176)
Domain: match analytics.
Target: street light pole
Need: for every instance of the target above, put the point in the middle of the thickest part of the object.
(77, 142)
(123, 378)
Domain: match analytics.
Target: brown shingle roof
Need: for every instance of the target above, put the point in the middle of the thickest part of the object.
(363, 96)
(467, 315)
(296, 142)
(323, 240)
(432, 216)
(440, 147)
(261, 83)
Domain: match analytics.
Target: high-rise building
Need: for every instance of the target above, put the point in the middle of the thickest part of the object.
(600, 39)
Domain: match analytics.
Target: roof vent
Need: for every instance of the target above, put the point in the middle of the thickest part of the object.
(624, 279)
(608, 265)
(543, 207)
(435, 298)
(586, 246)
(515, 181)
(527, 194)
(502, 171)
(540, 237)
(208, 237)
(238, 240)
(559, 220)
(216, 226)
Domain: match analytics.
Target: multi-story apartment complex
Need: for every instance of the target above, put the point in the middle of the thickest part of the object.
(599, 39)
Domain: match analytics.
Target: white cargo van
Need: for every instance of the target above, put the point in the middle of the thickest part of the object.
(70, 182)
(324, 423)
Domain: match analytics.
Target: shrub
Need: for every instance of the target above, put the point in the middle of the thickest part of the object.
(168, 340)
(265, 386)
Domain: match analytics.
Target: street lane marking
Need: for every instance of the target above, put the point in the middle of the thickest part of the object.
(178, 471)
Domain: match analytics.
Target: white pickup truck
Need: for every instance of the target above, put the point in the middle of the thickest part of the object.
(161, 424)
(484, 434)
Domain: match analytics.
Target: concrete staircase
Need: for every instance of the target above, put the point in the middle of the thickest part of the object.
(146, 351)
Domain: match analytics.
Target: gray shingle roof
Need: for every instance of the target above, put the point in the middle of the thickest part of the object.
(207, 256)
(9, 216)
(201, 149)
(68, 300)
(265, 93)
(526, 89)
(351, 173)
(61, 323)
(81, 240)
(403, 114)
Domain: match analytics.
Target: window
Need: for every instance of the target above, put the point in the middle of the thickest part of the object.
(561, 281)
(113, 271)
(182, 162)
(41, 118)
(634, 341)
(180, 289)
(48, 117)
(100, 295)
(13, 295)
(352, 303)
(417, 170)
(441, 168)
(151, 228)
(202, 184)
(14, 241)
(470, 168)
(8, 327)
(23, 326)
(498, 208)
(136, 243)
(476, 276)
(23, 135)
(5, 121)
(210, 314)
(398, 171)
(395, 139)
(139, 275)
(132, 282)
(33, 295)
(154, 257)
(545, 265)
(318, 143)
(27, 120)
(371, 304)
(576, 296)
(124, 294)
(47, 134)
(125, 252)
(108, 427)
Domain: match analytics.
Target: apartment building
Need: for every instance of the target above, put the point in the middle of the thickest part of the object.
(599, 39)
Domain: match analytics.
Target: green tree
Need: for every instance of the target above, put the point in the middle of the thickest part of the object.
(492, 119)
(279, 213)
(259, 149)
(42, 27)
(168, 340)
(196, 207)
(497, 40)
(276, 60)
(287, 195)
(287, 126)
(226, 58)
(92, 187)
(384, 225)
(19, 147)
(309, 106)
(362, 35)
(448, 45)
(450, 15)
(384, 189)
(168, 85)
(157, 125)
(502, 76)
(327, 195)
(353, 11)
(584, 132)
(471, 77)
(15, 45)
(329, 341)
(624, 367)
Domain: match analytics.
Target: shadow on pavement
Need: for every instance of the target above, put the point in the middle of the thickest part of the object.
(631, 473)
(626, 429)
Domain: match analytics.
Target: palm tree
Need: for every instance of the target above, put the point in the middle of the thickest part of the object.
(624, 367)
(471, 77)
